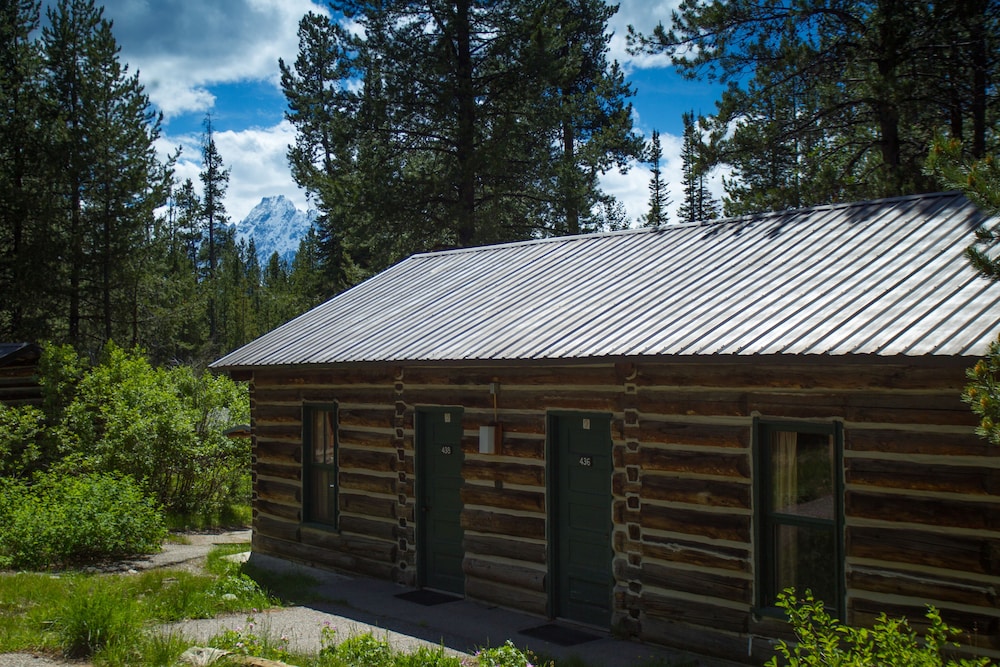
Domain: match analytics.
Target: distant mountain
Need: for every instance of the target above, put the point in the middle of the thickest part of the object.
(276, 226)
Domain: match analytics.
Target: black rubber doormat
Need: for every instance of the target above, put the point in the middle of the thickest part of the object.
(427, 598)
(559, 634)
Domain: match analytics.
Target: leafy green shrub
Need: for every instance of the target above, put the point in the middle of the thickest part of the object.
(64, 519)
(21, 433)
(824, 640)
(164, 427)
(506, 655)
(983, 393)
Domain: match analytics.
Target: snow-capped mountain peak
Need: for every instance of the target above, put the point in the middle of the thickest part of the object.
(276, 226)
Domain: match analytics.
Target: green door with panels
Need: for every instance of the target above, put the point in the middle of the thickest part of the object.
(439, 457)
(581, 523)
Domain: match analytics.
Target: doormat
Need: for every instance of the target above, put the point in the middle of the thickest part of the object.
(559, 634)
(427, 598)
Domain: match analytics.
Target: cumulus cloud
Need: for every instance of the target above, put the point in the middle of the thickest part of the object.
(192, 55)
(182, 48)
(256, 159)
(644, 15)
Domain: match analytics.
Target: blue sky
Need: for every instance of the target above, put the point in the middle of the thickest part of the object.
(221, 57)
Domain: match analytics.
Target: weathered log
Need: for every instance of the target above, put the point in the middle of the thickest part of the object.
(383, 460)
(673, 550)
(697, 462)
(505, 547)
(691, 434)
(702, 583)
(921, 510)
(532, 579)
(503, 595)
(279, 491)
(712, 525)
(918, 442)
(366, 505)
(965, 479)
(696, 491)
(503, 499)
(700, 613)
(354, 481)
(503, 524)
(930, 588)
(509, 472)
(960, 553)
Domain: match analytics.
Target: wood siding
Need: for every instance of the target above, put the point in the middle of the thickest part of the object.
(19, 383)
(922, 492)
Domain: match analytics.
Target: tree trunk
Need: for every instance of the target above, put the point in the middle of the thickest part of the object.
(466, 134)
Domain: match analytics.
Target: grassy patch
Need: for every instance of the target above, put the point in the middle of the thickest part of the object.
(107, 616)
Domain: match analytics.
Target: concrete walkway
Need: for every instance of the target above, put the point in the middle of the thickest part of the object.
(355, 605)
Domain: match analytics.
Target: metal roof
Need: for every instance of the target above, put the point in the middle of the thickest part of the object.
(886, 277)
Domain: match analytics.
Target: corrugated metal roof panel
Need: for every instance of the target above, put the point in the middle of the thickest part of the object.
(886, 278)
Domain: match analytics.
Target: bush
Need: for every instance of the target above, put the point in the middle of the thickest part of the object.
(21, 433)
(507, 655)
(60, 520)
(165, 428)
(824, 640)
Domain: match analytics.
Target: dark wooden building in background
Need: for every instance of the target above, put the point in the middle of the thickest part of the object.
(19, 374)
(652, 431)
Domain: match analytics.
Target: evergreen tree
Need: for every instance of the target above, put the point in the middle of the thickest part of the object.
(109, 180)
(659, 198)
(28, 258)
(177, 307)
(214, 178)
(698, 204)
(474, 122)
(837, 101)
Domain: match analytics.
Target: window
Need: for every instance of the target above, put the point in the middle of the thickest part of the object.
(799, 498)
(319, 474)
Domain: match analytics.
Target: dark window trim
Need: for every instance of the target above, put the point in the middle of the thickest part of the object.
(762, 547)
(308, 409)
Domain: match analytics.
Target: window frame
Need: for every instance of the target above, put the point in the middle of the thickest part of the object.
(330, 518)
(765, 519)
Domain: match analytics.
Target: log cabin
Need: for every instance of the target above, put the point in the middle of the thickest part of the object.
(19, 383)
(653, 431)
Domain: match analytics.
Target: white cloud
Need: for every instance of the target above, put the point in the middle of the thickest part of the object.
(181, 48)
(644, 15)
(256, 157)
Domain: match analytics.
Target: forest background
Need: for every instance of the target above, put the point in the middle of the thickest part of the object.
(424, 125)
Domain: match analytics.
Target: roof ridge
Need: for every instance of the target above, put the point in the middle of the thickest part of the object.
(764, 215)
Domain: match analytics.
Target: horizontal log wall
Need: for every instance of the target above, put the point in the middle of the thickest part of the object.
(922, 492)
(19, 385)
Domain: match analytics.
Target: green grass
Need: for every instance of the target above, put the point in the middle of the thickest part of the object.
(104, 616)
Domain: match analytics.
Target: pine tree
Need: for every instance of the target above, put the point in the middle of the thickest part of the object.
(659, 198)
(214, 178)
(28, 257)
(475, 122)
(109, 179)
(833, 102)
(698, 204)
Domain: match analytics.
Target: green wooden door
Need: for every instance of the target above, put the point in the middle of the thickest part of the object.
(440, 552)
(581, 521)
